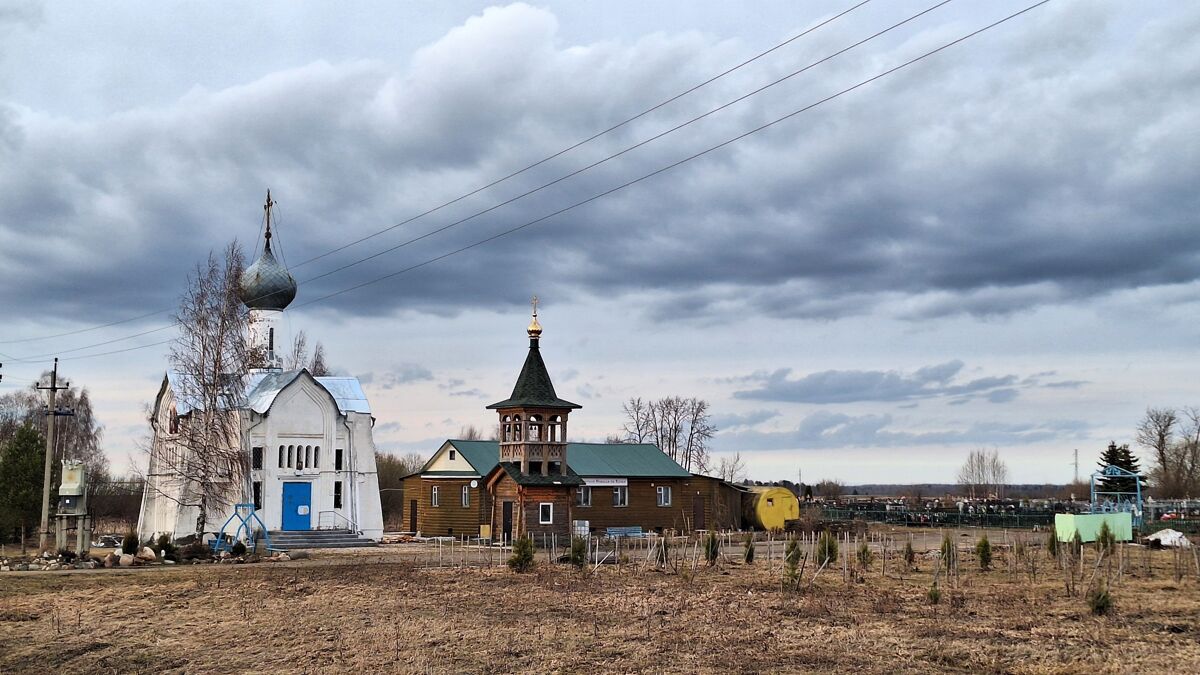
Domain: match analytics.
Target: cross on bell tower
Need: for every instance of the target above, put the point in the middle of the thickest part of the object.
(533, 421)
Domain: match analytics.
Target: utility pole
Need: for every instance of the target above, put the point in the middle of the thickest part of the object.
(1077, 465)
(51, 412)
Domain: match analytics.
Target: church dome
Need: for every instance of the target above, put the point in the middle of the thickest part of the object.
(267, 284)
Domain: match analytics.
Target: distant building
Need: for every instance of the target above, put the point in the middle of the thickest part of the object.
(307, 440)
(533, 481)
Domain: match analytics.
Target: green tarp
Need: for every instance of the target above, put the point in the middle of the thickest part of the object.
(1088, 525)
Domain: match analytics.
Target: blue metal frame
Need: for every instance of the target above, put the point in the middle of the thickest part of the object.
(243, 513)
(1117, 504)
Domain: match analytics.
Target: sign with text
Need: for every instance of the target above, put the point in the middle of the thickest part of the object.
(606, 482)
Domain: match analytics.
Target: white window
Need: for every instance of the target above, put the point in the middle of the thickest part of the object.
(583, 496)
(664, 495)
(466, 496)
(621, 496)
(433, 496)
(546, 513)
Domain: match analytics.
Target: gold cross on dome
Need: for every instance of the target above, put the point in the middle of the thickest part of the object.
(534, 302)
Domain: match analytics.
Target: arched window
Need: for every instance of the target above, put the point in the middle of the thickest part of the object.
(517, 428)
(291, 456)
(507, 428)
(281, 451)
(535, 427)
(553, 433)
(308, 455)
(317, 457)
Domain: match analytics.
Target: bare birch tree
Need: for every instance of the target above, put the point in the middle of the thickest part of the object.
(210, 358)
(679, 426)
(983, 473)
(1173, 439)
(731, 468)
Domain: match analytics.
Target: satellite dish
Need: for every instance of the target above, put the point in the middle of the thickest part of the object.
(474, 484)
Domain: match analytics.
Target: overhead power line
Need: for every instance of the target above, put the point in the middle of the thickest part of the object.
(494, 182)
(658, 171)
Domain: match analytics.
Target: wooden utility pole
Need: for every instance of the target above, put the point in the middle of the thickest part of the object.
(51, 413)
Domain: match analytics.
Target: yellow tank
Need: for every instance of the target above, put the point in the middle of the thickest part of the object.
(769, 508)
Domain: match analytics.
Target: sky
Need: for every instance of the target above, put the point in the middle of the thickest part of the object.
(996, 246)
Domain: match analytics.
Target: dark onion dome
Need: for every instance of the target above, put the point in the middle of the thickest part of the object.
(267, 284)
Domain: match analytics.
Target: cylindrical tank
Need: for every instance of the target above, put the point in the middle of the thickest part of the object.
(769, 507)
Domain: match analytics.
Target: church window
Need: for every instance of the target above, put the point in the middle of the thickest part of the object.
(433, 496)
(466, 496)
(337, 495)
(583, 496)
(337, 459)
(552, 429)
(258, 495)
(664, 495)
(308, 455)
(281, 451)
(546, 513)
(535, 427)
(621, 496)
(507, 428)
(271, 341)
(173, 422)
(317, 456)
(256, 457)
(291, 456)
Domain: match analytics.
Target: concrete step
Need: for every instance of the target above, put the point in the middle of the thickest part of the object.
(297, 539)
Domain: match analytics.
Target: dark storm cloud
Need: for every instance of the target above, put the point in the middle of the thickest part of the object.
(836, 430)
(1014, 171)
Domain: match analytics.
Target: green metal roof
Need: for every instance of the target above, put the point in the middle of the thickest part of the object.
(451, 474)
(629, 460)
(534, 388)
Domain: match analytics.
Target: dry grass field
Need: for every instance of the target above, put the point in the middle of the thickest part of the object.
(384, 610)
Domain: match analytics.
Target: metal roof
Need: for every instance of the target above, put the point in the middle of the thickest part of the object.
(632, 460)
(262, 387)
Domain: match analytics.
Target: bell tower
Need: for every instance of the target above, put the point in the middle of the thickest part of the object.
(533, 421)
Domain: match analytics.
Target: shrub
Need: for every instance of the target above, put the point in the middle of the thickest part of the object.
(1076, 544)
(910, 556)
(578, 554)
(1105, 539)
(237, 549)
(1019, 548)
(196, 549)
(748, 550)
(166, 549)
(827, 549)
(865, 557)
(983, 549)
(1052, 544)
(948, 550)
(791, 563)
(66, 554)
(130, 543)
(712, 548)
(934, 595)
(522, 557)
(1099, 600)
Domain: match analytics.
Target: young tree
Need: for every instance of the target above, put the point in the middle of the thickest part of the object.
(210, 357)
(732, 469)
(22, 459)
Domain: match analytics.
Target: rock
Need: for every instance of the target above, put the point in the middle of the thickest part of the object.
(4, 568)
(147, 554)
(126, 560)
(283, 557)
(22, 567)
(110, 560)
(168, 562)
(224, 555)
(53, 566)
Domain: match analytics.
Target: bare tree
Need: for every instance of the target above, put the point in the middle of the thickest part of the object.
(469, 433)
(983, 473)
(318, 367)
(1173, 439)
(210, 357)
(830, 488)
(75, 437)
(298, 357)
(731, 468)
(679, 426)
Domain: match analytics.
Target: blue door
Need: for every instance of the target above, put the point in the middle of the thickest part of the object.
(297, 506)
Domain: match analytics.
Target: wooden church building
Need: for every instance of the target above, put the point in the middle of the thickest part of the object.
(533, 481)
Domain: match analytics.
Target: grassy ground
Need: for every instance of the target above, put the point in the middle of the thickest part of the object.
(384, 610)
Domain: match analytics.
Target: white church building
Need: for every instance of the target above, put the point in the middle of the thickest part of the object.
(307, 440)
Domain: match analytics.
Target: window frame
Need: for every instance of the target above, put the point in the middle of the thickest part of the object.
(466, 496)
(620, 491)
(256, 494)
(338, 493)
(256, 458)
(453, 455)
(434, 496)
(579, 496)
(663, 491)
(541, 510)
(338, 457)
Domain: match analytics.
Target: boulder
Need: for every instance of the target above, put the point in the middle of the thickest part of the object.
(147, 554)
(168, 562)
(283, 557)
(53, 566)
(126, 560)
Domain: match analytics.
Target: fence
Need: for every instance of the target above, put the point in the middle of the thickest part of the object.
(1015, 521)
